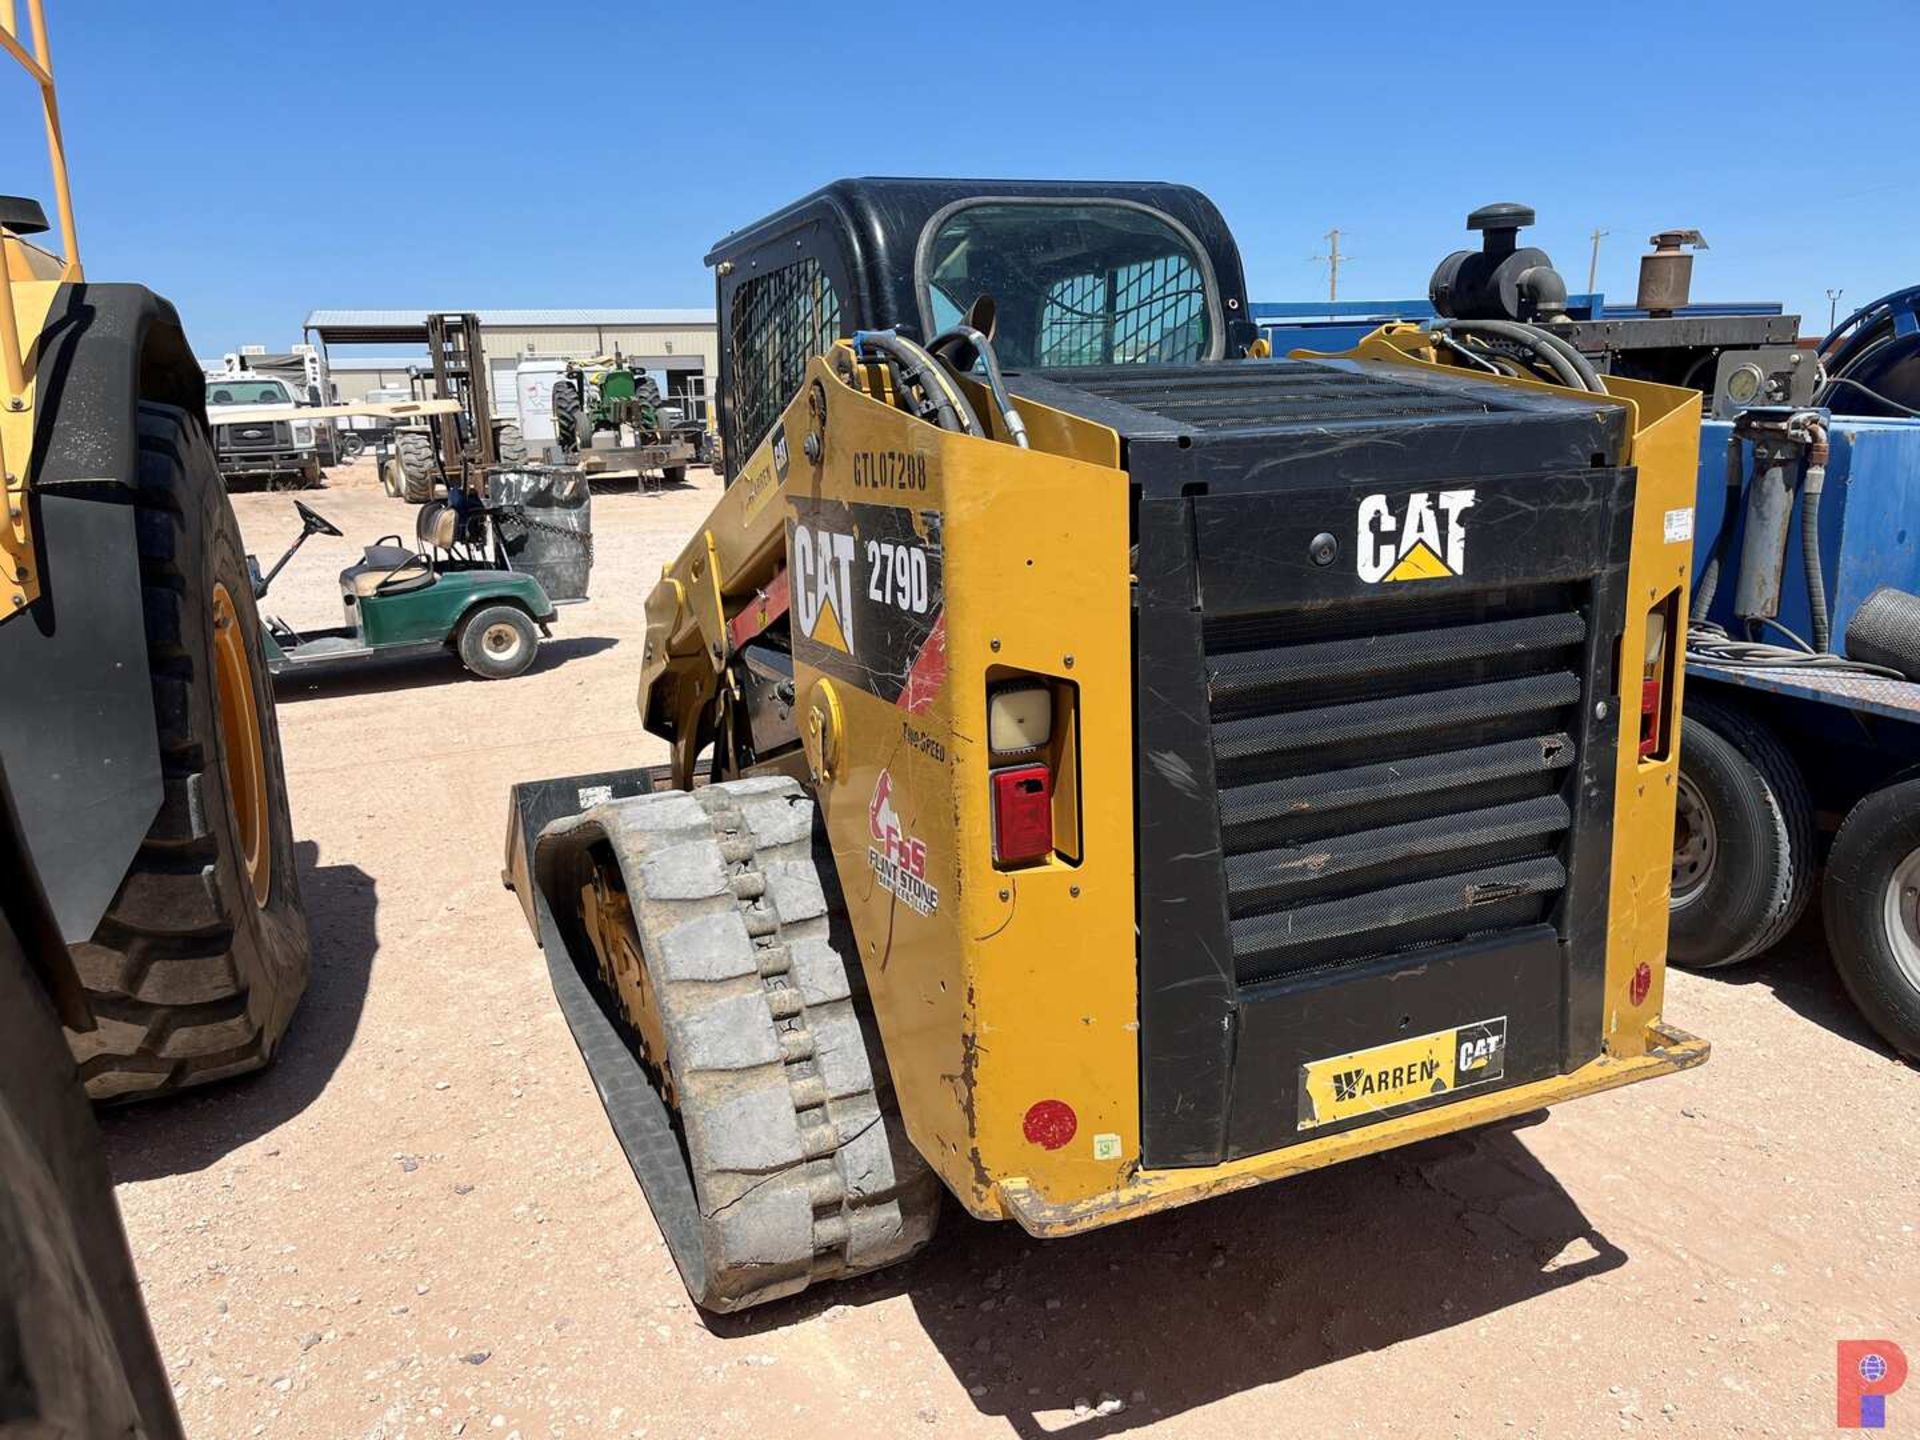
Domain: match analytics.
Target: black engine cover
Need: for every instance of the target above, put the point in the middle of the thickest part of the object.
(1376, 616)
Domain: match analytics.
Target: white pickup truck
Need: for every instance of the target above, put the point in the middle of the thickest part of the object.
(282, 443)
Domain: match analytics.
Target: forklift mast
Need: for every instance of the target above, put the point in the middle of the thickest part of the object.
(459, 373)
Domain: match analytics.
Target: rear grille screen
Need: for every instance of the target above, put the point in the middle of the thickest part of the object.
(1395, 775)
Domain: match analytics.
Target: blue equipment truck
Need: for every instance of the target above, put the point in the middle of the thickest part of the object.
(1800, 765)
(1802, 711)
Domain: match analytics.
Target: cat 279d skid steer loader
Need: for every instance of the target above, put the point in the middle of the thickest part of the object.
(1132, 768)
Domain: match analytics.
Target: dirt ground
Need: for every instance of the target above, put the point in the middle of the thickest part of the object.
(419, 1224)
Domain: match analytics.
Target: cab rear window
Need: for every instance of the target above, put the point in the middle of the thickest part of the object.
(1084, 282)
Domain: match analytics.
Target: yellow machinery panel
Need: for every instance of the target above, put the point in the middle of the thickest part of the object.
(1004, 995)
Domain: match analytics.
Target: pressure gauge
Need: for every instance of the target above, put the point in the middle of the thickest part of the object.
(1745, 382)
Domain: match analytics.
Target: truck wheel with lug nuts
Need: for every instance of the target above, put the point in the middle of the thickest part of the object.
(1871, 900)
(418, 467)
(498, 642)
(194, 970)
(1742, 840)
(764, 1126)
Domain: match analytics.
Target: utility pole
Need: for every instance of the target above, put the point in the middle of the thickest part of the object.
(1333, 257)
(1833, 306)
(1593, 264)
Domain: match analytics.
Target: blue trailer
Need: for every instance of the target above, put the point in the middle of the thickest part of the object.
(1800, 763)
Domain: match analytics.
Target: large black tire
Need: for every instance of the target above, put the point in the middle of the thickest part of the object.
(566, 414)
(349, 444)
(509, 445)
(498, 642)
(792, 1164)
(1871, 905)
(77, 1356)
(674, 475)
(1743, 840)
(417, 463)
(194, 971)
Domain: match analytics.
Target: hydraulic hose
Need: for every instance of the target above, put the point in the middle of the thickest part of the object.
(945, 405)
(1703, 593)
(1569, 366)
(1810, 488)
(1525, 337)
(951, 339)
(1580, 363)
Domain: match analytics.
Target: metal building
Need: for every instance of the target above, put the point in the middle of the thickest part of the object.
(682, 346)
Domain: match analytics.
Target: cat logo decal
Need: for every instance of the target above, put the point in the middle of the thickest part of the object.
(1423, 536)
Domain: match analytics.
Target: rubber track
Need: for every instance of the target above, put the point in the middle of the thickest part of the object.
(789, 1164)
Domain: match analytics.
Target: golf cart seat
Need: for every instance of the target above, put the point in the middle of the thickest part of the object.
(437, 526)
(387, 569)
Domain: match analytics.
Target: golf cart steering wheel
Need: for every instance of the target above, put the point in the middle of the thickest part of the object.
(317, 523)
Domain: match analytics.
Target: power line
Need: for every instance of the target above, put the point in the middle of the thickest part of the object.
(1332, 258)
(1593, 264)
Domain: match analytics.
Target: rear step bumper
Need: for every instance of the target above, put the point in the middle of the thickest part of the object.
(1668, 1050)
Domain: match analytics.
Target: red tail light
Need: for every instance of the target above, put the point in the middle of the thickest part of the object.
(1656, 675)
(1022, 814)
(1649, 717)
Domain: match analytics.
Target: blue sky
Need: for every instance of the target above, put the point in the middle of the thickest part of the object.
(255, 161)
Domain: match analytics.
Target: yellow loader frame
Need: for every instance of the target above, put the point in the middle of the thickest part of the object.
(34, 276)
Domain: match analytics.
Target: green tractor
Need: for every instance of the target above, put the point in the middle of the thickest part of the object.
(613, 417)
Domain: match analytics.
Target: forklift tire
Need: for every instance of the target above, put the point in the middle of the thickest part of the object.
(393, 479)
(566, 414)
(194, 971)
(767, 1136)
(418, 466)
(1871, 900)
(498, 642)
(674, 475)
(509, 446)
(1743, 856)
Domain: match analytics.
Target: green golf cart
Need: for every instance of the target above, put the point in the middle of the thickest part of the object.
(461, 590)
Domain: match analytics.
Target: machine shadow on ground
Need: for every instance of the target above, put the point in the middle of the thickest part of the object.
(381, 676)
(1799, 971)
(192, 1130)
(1190, 1307)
